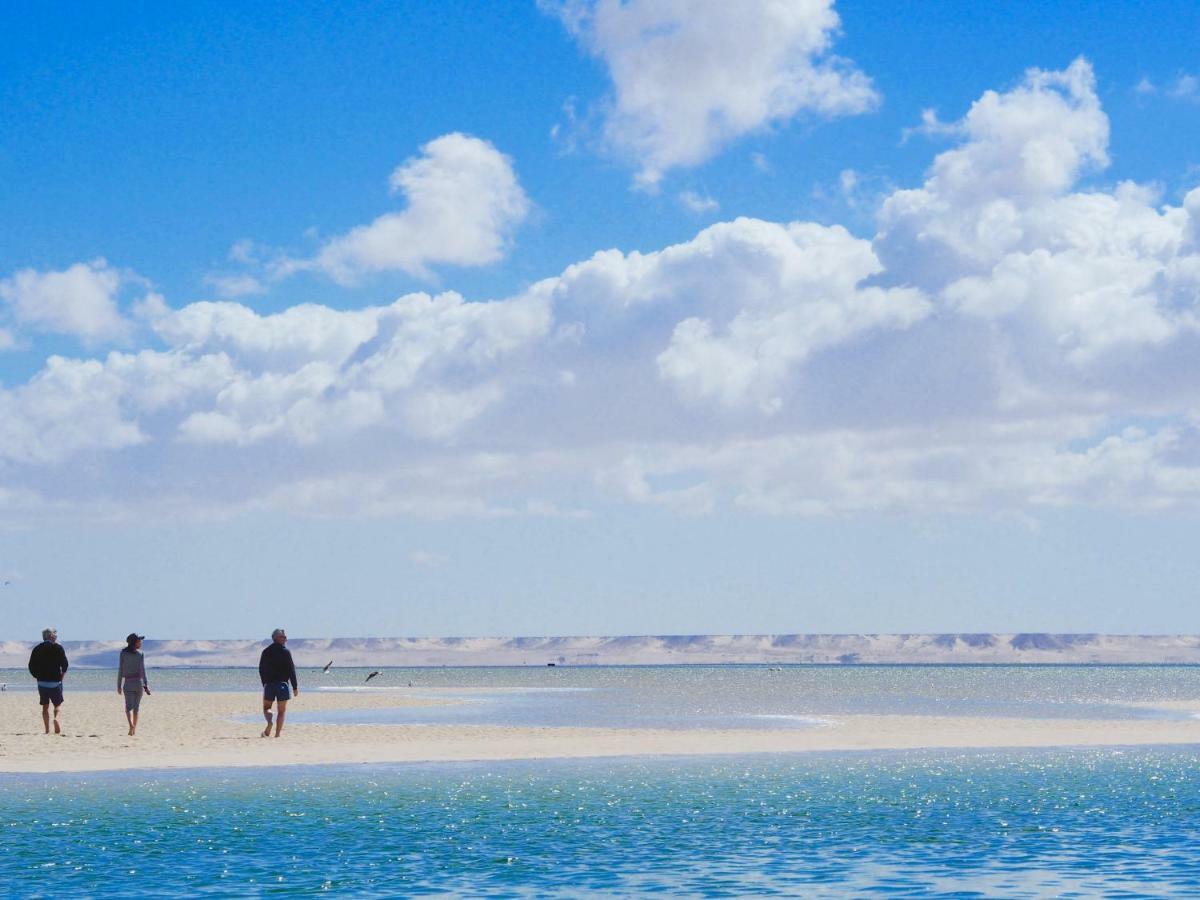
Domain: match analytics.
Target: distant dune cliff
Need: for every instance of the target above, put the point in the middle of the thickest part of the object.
(844, 649)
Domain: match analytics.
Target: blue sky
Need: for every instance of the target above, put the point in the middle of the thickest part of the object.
(449, 318)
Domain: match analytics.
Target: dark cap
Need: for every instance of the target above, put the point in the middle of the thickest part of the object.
(134, 637)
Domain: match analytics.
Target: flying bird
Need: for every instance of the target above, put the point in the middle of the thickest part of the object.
(327, 665)
(372, 675)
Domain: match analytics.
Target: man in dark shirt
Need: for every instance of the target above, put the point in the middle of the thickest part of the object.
(48, 664)
(276, 670)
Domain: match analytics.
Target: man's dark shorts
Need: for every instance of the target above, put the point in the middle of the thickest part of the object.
(47, 695)
(277, 690)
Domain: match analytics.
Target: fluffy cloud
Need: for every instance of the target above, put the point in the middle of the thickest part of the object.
(997, 233)
(423, 367)
(689, 78)
(1021, 148)
(747, 302)
(463, 203)
(75, 406)
(286, 340)
(80, 301)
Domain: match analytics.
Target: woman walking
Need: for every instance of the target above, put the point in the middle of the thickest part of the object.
(131, 678)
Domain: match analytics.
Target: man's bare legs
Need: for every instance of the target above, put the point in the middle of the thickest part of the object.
(267, 715)
(46, 719)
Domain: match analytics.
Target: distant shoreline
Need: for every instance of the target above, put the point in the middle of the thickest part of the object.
(681, 665)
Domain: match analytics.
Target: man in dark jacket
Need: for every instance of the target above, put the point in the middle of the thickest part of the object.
(276, 670)
(48, 664)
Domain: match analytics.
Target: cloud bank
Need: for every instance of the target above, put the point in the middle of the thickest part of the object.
(1008, 339)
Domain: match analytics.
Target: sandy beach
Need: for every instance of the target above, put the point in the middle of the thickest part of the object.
(188, 730)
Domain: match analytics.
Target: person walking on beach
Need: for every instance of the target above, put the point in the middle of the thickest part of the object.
(48, 664)
(276, 670)
(131, 678)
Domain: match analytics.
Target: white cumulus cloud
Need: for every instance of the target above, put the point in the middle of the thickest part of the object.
(1000, 232)
(743, 304)
(80, 300)
(692, 76)
(464, 202)
(73, 406)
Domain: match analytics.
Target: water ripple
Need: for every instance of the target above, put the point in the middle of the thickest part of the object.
(1014, 824)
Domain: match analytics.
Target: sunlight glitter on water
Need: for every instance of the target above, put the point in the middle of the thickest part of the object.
(1012, 824)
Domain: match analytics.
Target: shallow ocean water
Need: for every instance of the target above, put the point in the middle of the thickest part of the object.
(1027, 823)
(708, 696)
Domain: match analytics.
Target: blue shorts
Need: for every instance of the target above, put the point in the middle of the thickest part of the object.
(277, 690)
(48, 695)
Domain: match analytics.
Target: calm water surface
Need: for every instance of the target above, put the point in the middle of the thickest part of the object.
(712, 696)
(1014, 824)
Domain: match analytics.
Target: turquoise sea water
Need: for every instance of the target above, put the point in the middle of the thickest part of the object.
(1012, 824)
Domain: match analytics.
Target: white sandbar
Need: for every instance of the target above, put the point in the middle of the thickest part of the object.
(194, 730)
